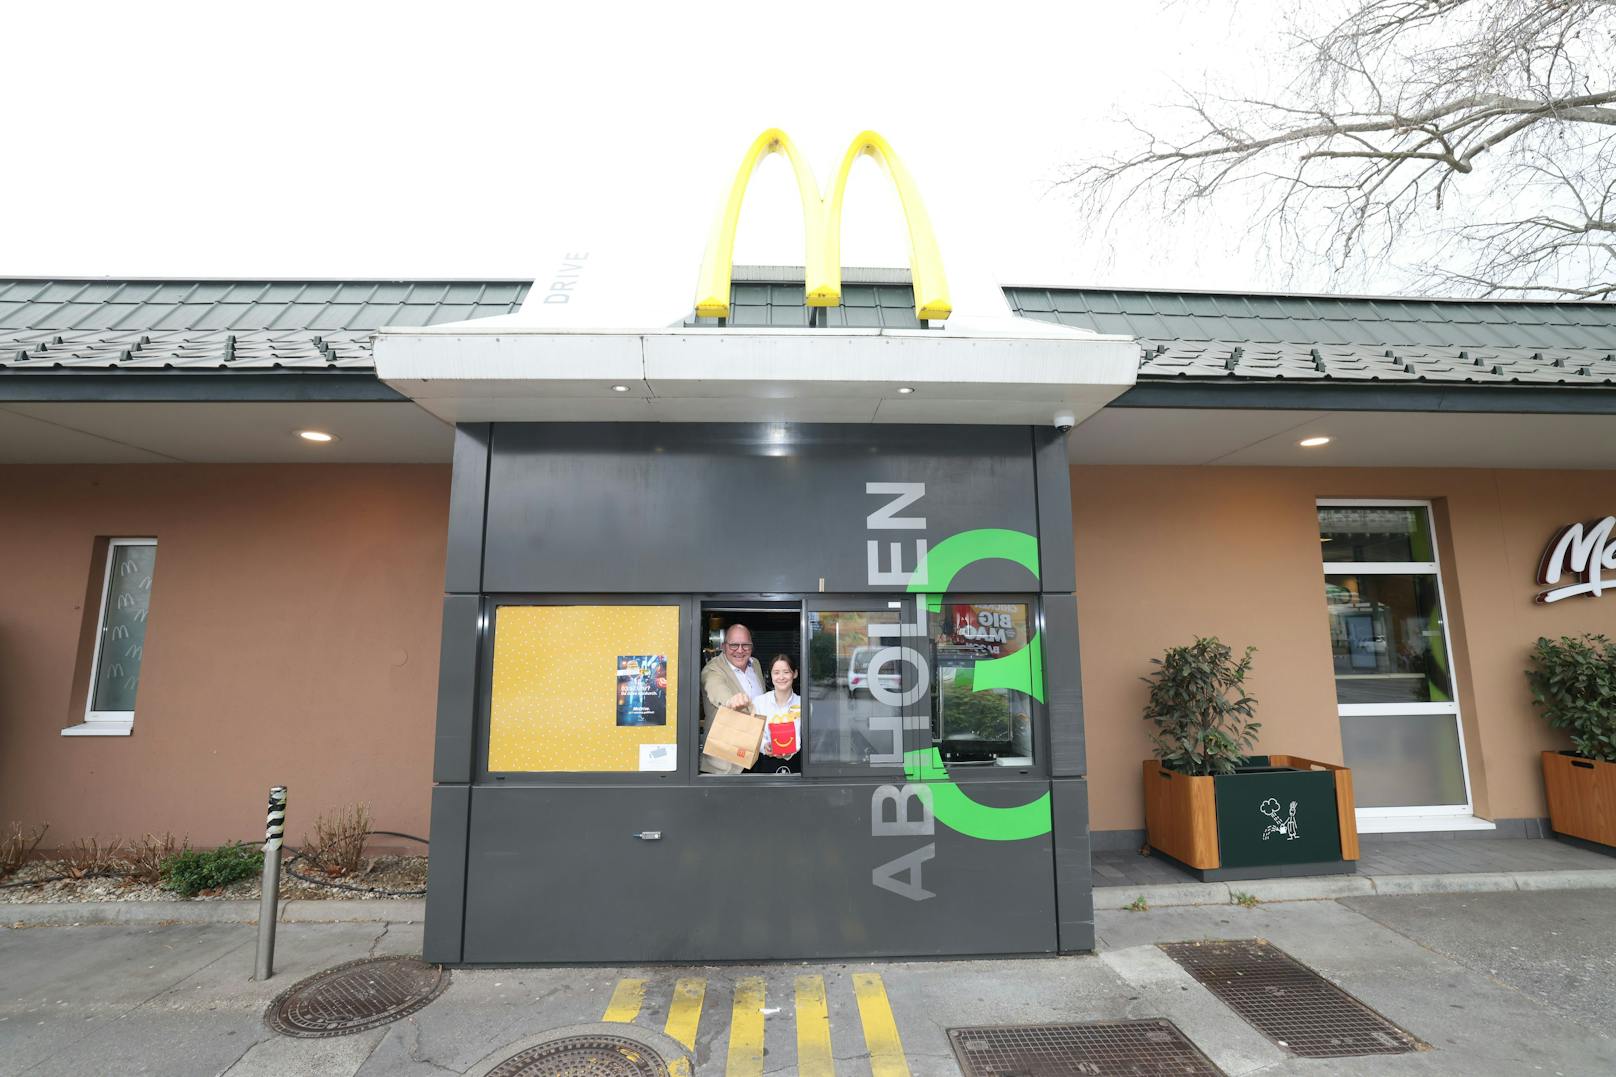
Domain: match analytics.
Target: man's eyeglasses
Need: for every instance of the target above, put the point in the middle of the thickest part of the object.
(739, 646)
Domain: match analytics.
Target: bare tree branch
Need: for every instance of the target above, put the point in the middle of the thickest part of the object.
(1410, 122)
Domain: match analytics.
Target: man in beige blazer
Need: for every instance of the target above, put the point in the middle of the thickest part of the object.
(732, 679)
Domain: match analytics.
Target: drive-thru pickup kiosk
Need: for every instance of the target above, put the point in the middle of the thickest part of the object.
(891, 508)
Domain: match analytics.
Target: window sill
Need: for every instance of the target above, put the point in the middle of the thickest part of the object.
(99, 729)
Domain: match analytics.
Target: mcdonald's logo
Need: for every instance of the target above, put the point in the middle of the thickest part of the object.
(822, 230)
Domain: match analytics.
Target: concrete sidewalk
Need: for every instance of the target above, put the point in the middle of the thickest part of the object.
(1388, 864)
(1328, 887)
(1501, 983)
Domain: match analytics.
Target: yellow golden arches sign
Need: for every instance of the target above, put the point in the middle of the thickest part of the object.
(822, 230)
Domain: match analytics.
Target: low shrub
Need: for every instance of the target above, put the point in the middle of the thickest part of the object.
(145, 857)
(191, 871)
(18, 845)
(1573, 681)
(338, 847)
(87, 857)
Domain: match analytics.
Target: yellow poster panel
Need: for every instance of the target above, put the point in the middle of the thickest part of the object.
(555, 702)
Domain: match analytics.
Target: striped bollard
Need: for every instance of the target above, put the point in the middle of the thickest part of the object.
(268, 902)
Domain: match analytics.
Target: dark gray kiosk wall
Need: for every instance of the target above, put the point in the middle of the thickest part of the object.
(742, 872)
(1063, 688)
(453, 762)
(548, 870)
(753, 508)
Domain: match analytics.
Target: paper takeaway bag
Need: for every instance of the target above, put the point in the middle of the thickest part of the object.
(733, 737)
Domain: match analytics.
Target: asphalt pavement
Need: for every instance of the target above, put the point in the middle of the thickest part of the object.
(1490, 983)
(1557, 948)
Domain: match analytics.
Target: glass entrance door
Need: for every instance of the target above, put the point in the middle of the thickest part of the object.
(1394, 682)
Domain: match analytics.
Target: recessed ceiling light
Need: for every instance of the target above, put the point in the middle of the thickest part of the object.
(316, 435)
(619, 388)
(906, 389)
(1313, 443)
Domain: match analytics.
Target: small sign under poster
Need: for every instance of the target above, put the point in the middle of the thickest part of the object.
(642, 689)
(657, 757)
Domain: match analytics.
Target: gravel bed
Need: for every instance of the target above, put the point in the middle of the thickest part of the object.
(391, 873)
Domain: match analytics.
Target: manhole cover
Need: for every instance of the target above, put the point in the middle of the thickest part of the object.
(584, 1056)
(353, 997)
(1134, 1048)
(1287, 1001)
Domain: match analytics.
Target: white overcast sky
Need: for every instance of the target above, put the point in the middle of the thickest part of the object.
(406, 140)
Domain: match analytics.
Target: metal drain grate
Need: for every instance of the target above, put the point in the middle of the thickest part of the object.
(584, 1056)
(1287, 1001)
(1132, 1048)
(353, 997)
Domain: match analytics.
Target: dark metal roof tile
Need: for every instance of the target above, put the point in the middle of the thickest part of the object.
(862, 317)
(1035, 300)
(246, 292)
(355, 292)
(1097, 303)
(392, 293)
(408, 314)
(465, 292)
(336, 316)
(503, 292)
(426, 293)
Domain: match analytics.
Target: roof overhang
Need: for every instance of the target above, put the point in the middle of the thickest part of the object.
(1401, 396)
(1235, 436)
(1011, 371)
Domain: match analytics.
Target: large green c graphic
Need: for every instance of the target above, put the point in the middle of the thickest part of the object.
(1022, 671)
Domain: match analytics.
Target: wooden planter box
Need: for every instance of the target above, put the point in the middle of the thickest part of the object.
(1280, 815)
(1582, 797)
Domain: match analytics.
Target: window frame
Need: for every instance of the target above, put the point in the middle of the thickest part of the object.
(688, 692)
(904, 607)
(1040, 766)
(1432, 568)
(748, 602)
(692, 608)
(106, 723)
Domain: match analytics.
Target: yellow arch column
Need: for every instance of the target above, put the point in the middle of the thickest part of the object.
(925, 260)
(717, 265)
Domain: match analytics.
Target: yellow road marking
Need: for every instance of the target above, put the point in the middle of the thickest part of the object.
(685, 1012)
(627, 997)
(746, 1029)
(880, 1029)
(679, 1067)
(813, 1029)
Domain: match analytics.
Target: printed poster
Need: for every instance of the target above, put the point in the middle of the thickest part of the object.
(642, 689)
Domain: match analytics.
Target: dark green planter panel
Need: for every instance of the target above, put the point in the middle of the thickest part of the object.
(1276, 816)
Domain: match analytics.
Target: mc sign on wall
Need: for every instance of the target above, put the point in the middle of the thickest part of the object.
(1583, 551)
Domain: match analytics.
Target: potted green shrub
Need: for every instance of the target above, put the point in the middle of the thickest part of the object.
(1573, 682)
(1219, 811)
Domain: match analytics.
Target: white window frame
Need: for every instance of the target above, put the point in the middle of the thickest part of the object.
(1409, 817)
(105, 723)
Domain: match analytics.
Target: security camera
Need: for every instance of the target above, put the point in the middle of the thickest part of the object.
(1064, 421)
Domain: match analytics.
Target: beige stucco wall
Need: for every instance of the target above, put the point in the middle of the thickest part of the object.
(293, 638)
(1164, 554)
(295, 619)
